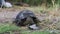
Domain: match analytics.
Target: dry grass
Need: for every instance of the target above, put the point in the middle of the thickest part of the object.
(49, 17)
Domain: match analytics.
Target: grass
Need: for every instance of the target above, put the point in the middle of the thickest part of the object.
(7, 28)
(37, 10)
(36, 32)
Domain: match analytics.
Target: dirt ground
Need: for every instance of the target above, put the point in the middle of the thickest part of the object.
(49, 18)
